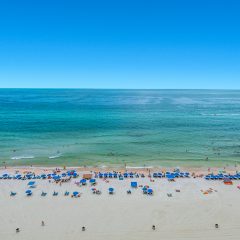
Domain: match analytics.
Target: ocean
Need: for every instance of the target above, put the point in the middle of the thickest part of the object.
(76, 127)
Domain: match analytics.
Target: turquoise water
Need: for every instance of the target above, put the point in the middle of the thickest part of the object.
(117, 127)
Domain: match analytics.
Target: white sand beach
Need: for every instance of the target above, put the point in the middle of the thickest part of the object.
(188, 214)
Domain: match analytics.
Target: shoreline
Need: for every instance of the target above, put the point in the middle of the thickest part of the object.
(145, 169)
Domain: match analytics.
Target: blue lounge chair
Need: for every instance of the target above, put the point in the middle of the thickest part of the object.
(28, 192)
(55, 193)
(66, 193)
(43, 194)
(13, 194)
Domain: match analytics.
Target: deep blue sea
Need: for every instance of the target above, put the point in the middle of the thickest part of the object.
(115, 127)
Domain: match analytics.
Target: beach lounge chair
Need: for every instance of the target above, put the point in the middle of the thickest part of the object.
(28, 193)
(169, 194)
(129, 192)
(55, 193)
(43, 194)
(13, 194)
(66, 193)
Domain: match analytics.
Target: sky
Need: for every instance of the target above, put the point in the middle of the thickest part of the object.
(120, 44)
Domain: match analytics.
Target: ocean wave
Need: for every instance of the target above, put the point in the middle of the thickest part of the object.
(220, 114)
(22, 157)
(55, 156)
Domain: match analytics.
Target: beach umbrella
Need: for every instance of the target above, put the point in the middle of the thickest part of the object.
(155, 175)
(111, 189)
(159, 174)
(125, 175)
(149, 191)
(83, 181)
(92, 180)
(144, 188)
(5, 175)
(31, 183)
(75, 174)
(28, 191)
(57, 177)
(75, 193)
(105, 175)
(133, 184)
(170, 177)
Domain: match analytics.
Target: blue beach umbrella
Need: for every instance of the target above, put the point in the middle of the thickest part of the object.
(105, 175)
(125, 175)
(155, 175)
(75, 193)
(149, 191)
(28, 191)
(83, 181)
(134, 184)
(57, 177)
(31, 183)
(111, 189)
(92, 180)
(75, 174)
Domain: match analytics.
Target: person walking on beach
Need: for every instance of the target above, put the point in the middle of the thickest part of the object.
(153, 227)
(17, 230)
(83, 229)
(43, 224)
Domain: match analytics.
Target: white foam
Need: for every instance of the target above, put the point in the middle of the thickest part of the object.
(55, 156)
(22, 157)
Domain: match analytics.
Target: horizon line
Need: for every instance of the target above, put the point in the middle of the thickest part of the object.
(72, 88)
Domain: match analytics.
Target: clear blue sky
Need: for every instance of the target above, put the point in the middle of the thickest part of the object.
(120, 44)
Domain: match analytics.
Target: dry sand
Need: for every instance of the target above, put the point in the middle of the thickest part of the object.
(186, 215)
